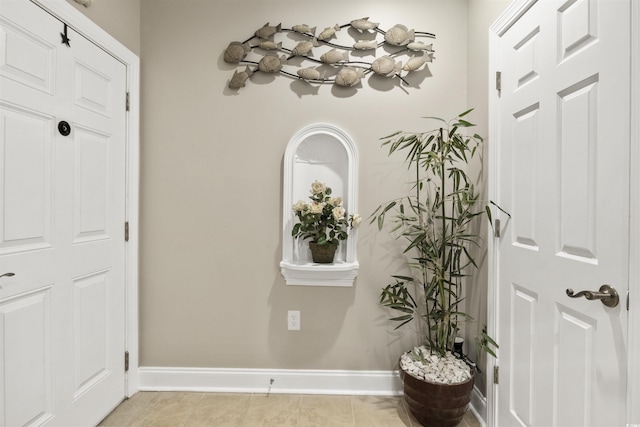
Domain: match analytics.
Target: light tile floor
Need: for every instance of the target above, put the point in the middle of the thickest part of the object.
(182, 409)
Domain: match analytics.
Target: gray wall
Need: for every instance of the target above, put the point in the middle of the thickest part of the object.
(211, 293)
(120, 18)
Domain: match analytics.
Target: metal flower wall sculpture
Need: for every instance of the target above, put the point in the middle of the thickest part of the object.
(335, 65)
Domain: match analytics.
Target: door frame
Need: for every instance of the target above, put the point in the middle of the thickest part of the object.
(514, 12)
(65, 12)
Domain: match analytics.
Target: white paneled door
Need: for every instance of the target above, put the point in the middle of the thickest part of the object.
(62, 194)
(563, 175)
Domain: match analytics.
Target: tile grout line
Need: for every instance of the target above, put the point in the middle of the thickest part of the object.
(192, 412)
(406, 411)
(246, 409)
(353, 412)
(298, 420)
(141, 411)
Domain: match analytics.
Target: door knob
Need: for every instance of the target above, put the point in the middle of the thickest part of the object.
(64, 128)
(607, 295)
(7, 275)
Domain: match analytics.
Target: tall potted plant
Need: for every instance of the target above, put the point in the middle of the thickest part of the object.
(436, 221)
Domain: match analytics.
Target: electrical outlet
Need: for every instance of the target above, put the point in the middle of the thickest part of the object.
(293, 320)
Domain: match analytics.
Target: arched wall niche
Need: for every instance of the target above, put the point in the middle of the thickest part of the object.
(325, 153)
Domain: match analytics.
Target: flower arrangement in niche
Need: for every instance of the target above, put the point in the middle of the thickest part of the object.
(323, 220)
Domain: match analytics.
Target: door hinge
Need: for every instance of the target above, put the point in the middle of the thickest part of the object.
(496, 374)
(126, 231)
(127, 102)
(126, 361)
(498, 81)
(496, 228)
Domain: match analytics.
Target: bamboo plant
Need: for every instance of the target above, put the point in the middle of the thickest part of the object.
(436, 221)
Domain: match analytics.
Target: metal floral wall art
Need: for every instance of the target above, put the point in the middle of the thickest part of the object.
(299, 53)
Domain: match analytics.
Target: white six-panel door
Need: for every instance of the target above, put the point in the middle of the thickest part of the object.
(562, 173)
(61, 223)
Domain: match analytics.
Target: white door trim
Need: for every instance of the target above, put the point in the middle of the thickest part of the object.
(633, 388)
(504, 22)
(83, 25)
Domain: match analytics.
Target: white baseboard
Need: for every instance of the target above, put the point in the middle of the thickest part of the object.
(479, 406)
(284, 381)
(291, 381)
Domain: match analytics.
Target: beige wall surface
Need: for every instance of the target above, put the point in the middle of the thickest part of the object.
(211, 176)
(211, 293)
(120, 18)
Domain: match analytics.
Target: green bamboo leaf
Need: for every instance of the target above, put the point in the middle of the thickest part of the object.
(488, 211)
(392, 135)
(401, 318)
(401, 308)
(403, 323)
(389, 206)
(488, 350)
(464, 123)
(416, 238)
(394, 146)
(405, 278)
(500, 209)
(435, 118)
(490, 340)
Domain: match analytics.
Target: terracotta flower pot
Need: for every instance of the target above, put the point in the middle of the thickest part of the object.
(437, 405)
(322, 254)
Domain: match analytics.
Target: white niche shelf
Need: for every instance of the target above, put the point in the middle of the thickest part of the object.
(325, 153)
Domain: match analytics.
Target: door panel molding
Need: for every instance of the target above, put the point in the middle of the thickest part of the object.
(88, 29)
(27, 315)
(26, 222)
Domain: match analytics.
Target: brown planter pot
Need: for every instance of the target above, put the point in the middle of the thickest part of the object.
(322, 254)
(437, 405)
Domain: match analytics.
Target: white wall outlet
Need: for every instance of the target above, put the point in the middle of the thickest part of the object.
(293, 320)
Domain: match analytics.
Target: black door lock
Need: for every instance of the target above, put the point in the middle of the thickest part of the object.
(64, 128)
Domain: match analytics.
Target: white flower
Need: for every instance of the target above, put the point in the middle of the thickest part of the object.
(335, 201)
(338, 212)
(300, 206)
(356, 219)
(316, 208)
(318, 187)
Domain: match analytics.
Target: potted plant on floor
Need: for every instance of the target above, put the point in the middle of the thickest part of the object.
(436, 221)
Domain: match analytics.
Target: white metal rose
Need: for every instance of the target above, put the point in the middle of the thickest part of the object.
(300, 206)
(318, 187)
(356, 220)
(335, 201)
(316, 208)
(338, 212)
